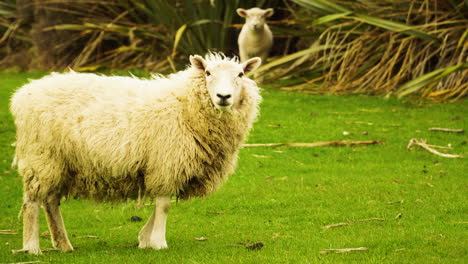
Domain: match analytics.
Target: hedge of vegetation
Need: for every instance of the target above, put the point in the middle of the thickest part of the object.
(385, 47)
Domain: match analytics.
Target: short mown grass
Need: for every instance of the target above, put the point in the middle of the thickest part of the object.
(284, 196)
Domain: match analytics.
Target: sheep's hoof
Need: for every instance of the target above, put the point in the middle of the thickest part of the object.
(154, 245)
(32, 251)
(65, 247)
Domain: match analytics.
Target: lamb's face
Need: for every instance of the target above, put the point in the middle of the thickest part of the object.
(255, 17)
(224, 78)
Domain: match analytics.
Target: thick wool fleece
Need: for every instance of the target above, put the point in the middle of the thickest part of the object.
(112, 138)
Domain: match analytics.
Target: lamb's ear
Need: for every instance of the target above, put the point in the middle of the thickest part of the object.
(198, 62)
(241, 12)
(251, 65)
(268, 12)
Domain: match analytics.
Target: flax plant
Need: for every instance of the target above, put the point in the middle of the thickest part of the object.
(399, 47)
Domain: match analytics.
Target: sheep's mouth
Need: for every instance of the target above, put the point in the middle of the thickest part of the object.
(224, 106)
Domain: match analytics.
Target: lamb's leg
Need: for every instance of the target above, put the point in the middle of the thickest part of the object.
(243, 55)
(258, 77)
(153, 234)
(56, 226)
(30, 227)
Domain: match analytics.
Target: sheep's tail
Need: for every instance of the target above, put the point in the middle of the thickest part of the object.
(14, 163)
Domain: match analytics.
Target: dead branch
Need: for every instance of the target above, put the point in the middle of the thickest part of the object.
(423, 144)
(446, 130)
(342, 250)
(315, 144)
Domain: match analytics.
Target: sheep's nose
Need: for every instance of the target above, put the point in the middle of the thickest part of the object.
(223, 97)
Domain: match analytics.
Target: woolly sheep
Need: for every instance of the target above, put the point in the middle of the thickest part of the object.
(113, 138)
(255, 38)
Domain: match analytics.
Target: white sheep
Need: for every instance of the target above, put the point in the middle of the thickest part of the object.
(255, 38)
(112, 138)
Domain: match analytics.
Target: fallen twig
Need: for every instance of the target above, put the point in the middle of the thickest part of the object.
(8, 232)
(370, 219)
(342, 250)
(14, 251)
(50, 249)
(28, 262)
(351, 222)
(335, 225)
(446, 129)
(423, 144)
(315, 144)
(401, 201)
(88, 236)
(213, 212)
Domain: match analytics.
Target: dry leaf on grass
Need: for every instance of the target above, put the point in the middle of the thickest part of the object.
(255, 246)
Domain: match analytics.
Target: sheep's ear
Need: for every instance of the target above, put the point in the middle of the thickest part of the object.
(251, 65)
(268, 12)
(241, 12)
(198, 62)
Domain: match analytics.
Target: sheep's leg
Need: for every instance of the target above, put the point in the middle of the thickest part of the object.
(56, 226)
(153, 234)
(30, 227)
(145, 233)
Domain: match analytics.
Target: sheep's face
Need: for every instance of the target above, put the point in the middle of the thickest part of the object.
(255, 17)
(224, 78)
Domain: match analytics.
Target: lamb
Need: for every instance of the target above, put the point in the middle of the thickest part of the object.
(255, 38)
(113, 138)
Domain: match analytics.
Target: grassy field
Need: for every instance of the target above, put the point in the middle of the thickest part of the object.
(284, 196)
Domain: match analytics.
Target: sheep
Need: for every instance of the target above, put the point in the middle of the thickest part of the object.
(255, 38)
(111, 138)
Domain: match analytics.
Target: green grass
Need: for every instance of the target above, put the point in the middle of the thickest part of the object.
(283, 196)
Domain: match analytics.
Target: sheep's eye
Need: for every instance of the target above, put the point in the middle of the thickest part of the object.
(241, 74)
(208, 73)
